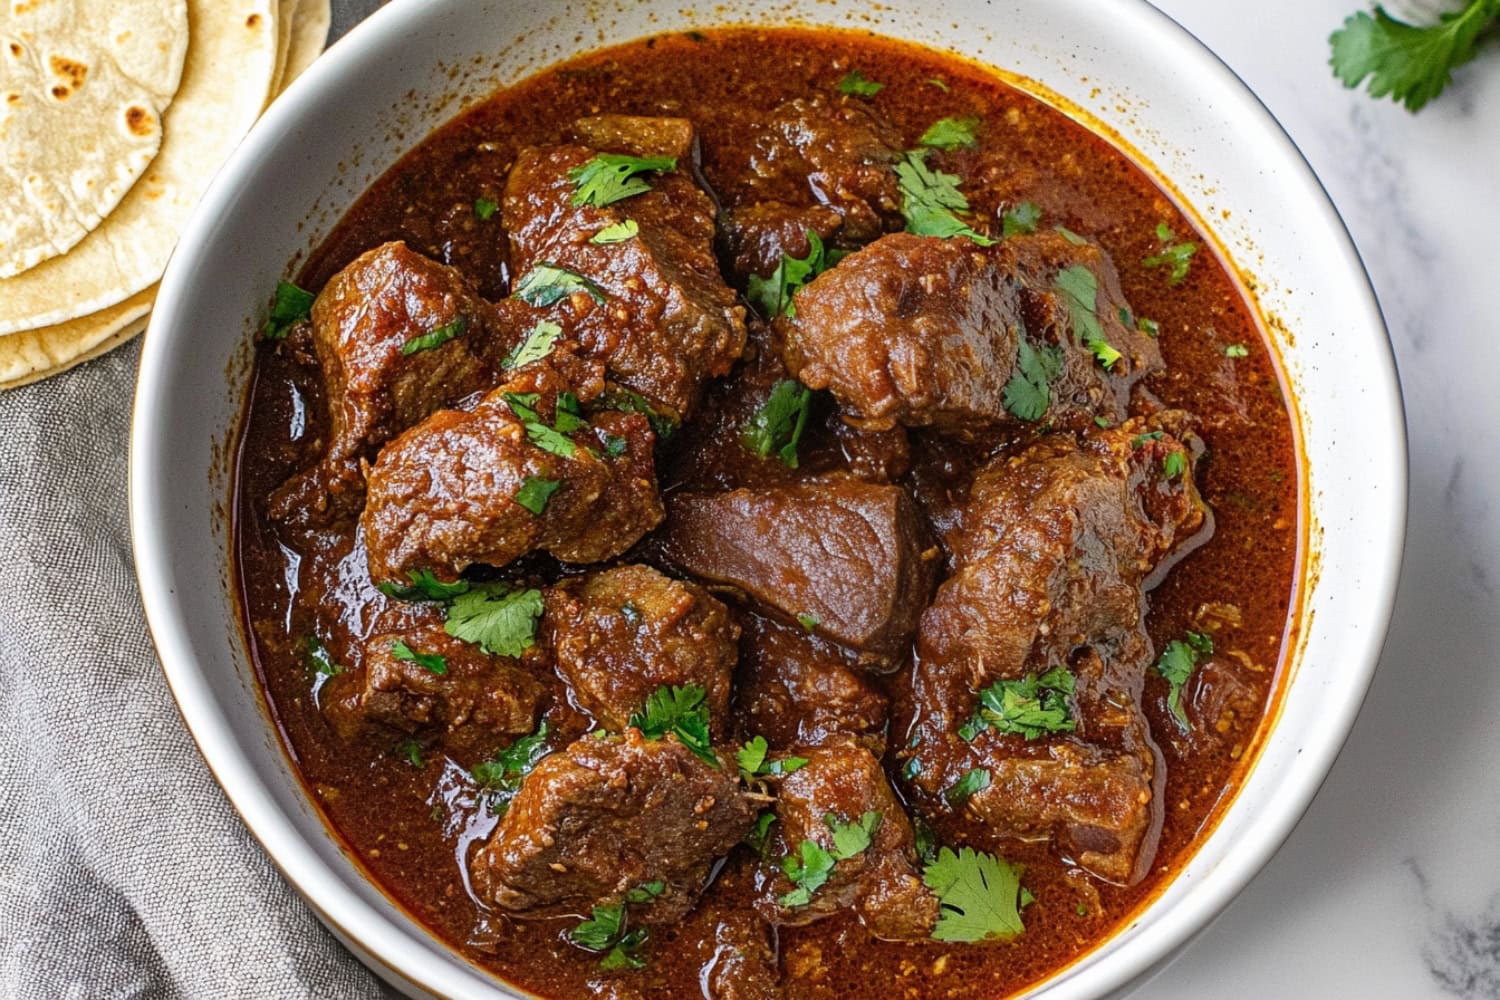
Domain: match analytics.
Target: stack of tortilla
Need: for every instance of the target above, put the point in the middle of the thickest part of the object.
(114, 116)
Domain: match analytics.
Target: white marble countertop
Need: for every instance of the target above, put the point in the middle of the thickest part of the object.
(1390, 887)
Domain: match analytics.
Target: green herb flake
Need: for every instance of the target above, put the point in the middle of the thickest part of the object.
(290, 306)
(952, 133)
(777, 426)
(412, 751)
(925, 839)
(424, 587)
(758, 839)
(1236, 351)
(612, 177)
(1070, 236)
(772, 296)
(1102, 422)
(973, 781)
(646, 892)
(537, 345)
(617, 397)
(929, 199)
(500, 777)
(808, 622)
(1411, 64)
(547, 284)
(939, 83)
(681, 711)
(617, 232)
(854, 84)
(567, 416)
(1020, 220)
(1176, 256)
(535, 492)
(431, 662)
(614, 447)
(980, 896)
(320, 659)
(1176, 665)
(1174, 465)
(1141, 440)
(810, 867)
(1149, 327)
(850, 839)
(497, 618)
(485, 208)
(436, 338)
(753, 762)
(1080, 291)
(605, 932)
(1032, 707)
(1027, 393)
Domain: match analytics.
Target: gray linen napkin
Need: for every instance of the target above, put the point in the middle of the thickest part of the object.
(123, 870)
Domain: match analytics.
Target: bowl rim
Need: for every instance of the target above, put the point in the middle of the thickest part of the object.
(388, 947)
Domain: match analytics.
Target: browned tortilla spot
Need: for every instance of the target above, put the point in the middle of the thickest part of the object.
(16, 50)
(253, 21)
(60, 92)
(138, 120)
(68, 69)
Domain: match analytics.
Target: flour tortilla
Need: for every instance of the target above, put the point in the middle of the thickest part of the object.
(83, 87)
(309, 36)
(225, 79)
(286, 10)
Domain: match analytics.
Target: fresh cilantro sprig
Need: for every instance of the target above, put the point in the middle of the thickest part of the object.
(617, 232)
(430, 662)
(547, 284)
(618, 397)
(424, 587)
(930, 199)
(854, 84)
(290, 306)
(605, 931)
(1021, 220)
(1080, 291)
(1176, 664)
(537, 345)
(320, 659)
(535, 492)
(550, 439)
(980, 896)
(500, 778)
(778, 424)
(499, 619)
(811, 866)
(1176, 255)
(752, 761)
(971, 783)
(1028, 392)
(1031, 707)
(485, 209)
(437, 337)
(952, 133)
(681, 711)
(772, 296)
(1411, 64)
(612, 177)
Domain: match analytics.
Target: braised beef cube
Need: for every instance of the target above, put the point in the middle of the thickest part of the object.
(922, 331)
(466, 698)
(790, 690)
(638, 135)
(361, 322)
(491, 484)
(757, 236)
(619, 634)
(656, 310)
(606, 816)
(842, 783)
(876, 456)
(742, 960)
(848, 560)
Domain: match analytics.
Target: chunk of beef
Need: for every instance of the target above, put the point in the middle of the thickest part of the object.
(742, 960)
(605, 816)
(361, 321)
(443, 495)
(1055, 547)
(661, 318)
(757, 236)
(843, 782)
(619, 634)
(848, 559)
(470, 705)
(922, 331)
(638, 135)
(791, 691)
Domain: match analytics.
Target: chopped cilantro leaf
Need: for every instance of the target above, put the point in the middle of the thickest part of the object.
(929, 199)
(523, 405)
(646, 892)
(1031, 707)
(753, 763)
(568, 414)
(1102, 422)
(320, 659)
(424, 587)
(535, 492)
(1177, 256)
(980, 896)
(290, 306)
(938, 83)
(773, 296)
(1021, 220)
(682, 711)
(617, 397)
(808, 622)
(537, 345)
(1149, 327)
(1070, 236)
(809, 869)
(436, 338)
(485, 208)
(952, 133)
(617, 232)
(427, 661)
(547, 284)
(1140, 440)
(855, 84)
(778, 424)
(974, 781)
(1080, 291)
(759, 836)
(611, 177)
(496, 618)
(1236, 351)
(412, 751)
(605, 931)
(550, 440)
(614, 447)
(1027, 393)
(1174, 465)
(850, 839)
(925, 839)
(1176, 665)
(1409, 63)
(501, 776)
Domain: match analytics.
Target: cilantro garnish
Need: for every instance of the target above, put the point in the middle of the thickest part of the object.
(980, 896)
(412, 751)
(498, 619)
(290, 306)
(1178, 256)
(1408, 63)
(973, 781)
(548, 439)
(567, 416)
(535, 492)
(485, 208)
(751, 759)
(1031, 707)
(773, 296)
(435, 338)
(1174, 465)
(536, 346)
(855, 84)
(1080, 291)
(682, 711)
(1069, 235)
(929, 199)
(1149, 327)
(1027, 393)
(939, 83)
(1021, 220)
(777, 426)
(320, 659)
(810, 867)
(1176, 665)
(925, 838)
(617, 397)
(1236, 351)
(952, 133)
(547, 284)
(501, 777)
(427, 661)
(617, 232)
(758, 839)
(614, 447)
(808, 622)
(646, 891)
(1141, 440)
(605, 932)
(611, 177)
(424, 587)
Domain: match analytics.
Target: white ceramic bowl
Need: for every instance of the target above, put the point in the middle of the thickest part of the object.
(382, 88)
